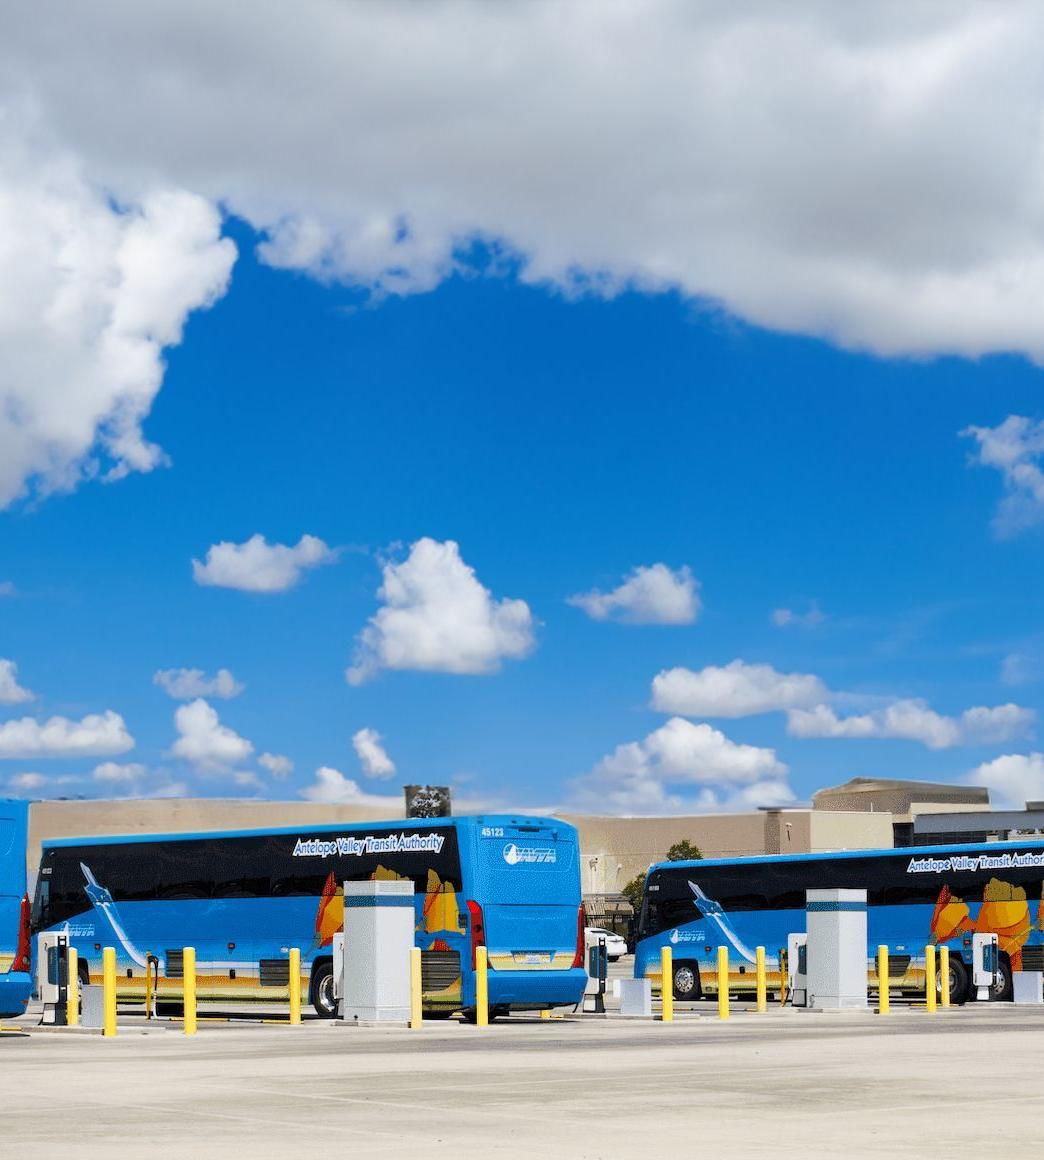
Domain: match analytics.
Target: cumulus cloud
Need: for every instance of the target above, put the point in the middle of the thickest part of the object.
(734, 690)
(11, 692)
(1014, 448)
(92, 290)
(96, 735)
(645, 776)
(1014, 779)
(880, 190)
(332, 786)
(204, 742)
(911, 719)
(437, 616)
(276, 764)
(26, 783)
(115, 774)
(652, 594)
(788, 618)
(374, 760)
(257, 566)
(187, 684)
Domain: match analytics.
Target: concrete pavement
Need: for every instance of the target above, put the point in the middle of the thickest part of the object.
(785, 1084)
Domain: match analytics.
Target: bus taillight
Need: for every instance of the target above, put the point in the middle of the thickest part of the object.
(478, 929)
(22, 954)
(581, 924)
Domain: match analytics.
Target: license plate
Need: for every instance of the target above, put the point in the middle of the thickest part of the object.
(532, 958)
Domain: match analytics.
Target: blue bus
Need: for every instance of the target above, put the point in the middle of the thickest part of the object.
(15, 979)
(916, 896)
(244, 898)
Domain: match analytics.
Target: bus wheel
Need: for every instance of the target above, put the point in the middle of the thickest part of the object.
(686, 981)
(322, 991)
(958, 981)
(1003, 990)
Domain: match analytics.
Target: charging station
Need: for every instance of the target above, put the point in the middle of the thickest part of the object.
(985, 964)
(597, 973)
(836, 949)
(379, 922)
(52, 975)
(797, 969)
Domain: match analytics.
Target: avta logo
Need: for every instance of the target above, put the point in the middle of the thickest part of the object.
(514, 854)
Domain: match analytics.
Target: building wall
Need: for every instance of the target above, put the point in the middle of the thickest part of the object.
(850, 831)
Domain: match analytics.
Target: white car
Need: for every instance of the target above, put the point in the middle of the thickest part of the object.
(615, 945)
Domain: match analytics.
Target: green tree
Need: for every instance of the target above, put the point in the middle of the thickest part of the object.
(684, 851)
(633, 890)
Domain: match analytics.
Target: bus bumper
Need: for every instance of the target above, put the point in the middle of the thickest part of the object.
(15, 989)
(536, 989)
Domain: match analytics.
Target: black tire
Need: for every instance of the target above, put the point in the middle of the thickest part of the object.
(83, 973)
(471, 1013)
(687, 981)
(958, 981)
(321, 993)
(1004, 989)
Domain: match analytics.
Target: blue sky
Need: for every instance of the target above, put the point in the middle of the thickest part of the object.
(566, 397)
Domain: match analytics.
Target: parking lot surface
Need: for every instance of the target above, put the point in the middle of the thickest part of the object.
(791, 1083)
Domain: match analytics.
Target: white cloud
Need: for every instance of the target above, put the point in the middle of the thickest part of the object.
(1020, 669)
(204, 742)
(276, 764)
(24, 783)
(11, 693)
(644, 776)
(882, 189)
(1014, 779)
(1014, 448)
(114, 773)
(374, 760)
(246, 779)
(91, 292)
(97, 735)
(7, 588)
(735, 690)
(438, 617)
(652, 594)
(911, 719)
(332, 786)
(788, 618)
(257, 566)
(187, 684)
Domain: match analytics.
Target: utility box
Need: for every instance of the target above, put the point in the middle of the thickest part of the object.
(836, 949)
(378, 938)
(636, 997)
(92, 1006)
(1027, 988)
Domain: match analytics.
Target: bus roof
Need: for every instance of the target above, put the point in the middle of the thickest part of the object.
(516, 820)
(890, 851)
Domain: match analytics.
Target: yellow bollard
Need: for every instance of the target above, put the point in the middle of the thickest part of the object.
(667, 984)
(762, 984)
(944, 976)
(929, 979)
(882, 979)
(416, 989)
(188, 969)
(109, 990)
(295, 986)
(72, 1000)
(723, 982)
(545, 1013)
(481, 988)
